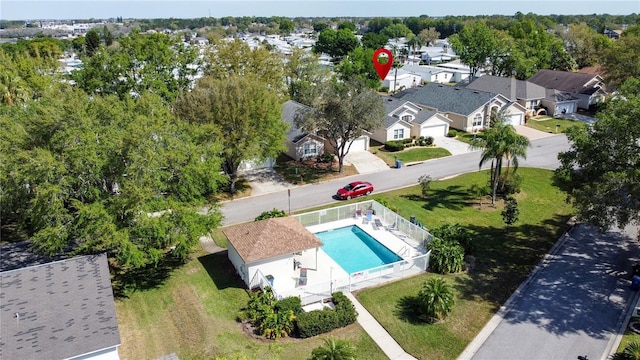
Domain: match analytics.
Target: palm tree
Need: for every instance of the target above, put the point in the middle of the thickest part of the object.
(415, 43)
(334, 350)
(630, 352)
(500, 141)
(437, 299)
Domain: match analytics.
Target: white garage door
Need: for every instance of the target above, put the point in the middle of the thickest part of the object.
(360, 144)
(565, 109)
(516, 119)
(434, 131)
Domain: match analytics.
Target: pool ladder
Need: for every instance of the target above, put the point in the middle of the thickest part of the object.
(404, 251)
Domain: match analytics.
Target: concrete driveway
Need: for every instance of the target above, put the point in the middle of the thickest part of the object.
(365, 162)
(455, 147)
(531, 133)
(579, 117)
(574, 303)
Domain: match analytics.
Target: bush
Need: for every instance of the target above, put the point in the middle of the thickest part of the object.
(393, 146)
(428, 141)
(452, 133)
(384, 89)
(317, 322)
(407, 141)
(289, 303)
(327, 157)
(512, 186)
(446, 256)
(275, 213)
(457, 233)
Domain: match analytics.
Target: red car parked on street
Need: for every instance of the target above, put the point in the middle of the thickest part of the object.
(354, 189)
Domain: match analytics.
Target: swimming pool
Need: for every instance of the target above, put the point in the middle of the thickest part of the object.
(355, 250)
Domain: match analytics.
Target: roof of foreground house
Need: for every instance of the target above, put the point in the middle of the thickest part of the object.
(445, 98)
(269, 238)
(57, 310)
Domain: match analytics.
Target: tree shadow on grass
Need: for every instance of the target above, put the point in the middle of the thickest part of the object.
(505, 257)
(221, 270)
(126, 281)
(408, 309)
(454, 197)
(579, 289)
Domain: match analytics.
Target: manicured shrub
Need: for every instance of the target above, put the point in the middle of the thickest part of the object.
(428, 141)
(452, 133)
(275, 213)
(407, 141)
(317, 322)
(327, 157)
(446, 256)
(457, 233)
(289, 303)
(393, 146)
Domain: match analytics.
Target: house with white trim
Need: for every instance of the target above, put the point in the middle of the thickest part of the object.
(405, 120)
(589, 89)
(469, 110)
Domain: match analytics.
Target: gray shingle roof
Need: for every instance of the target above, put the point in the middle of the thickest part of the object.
(268, 238)
(392, 104)
(508, 87)
(445, 98)
(289, 110)
(564, 81)
(65, 309)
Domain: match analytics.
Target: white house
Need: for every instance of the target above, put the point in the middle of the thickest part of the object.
(399, 79)
(432, 73)
(261, 248)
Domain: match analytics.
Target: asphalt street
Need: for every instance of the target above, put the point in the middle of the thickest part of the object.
(542, 154)
(572, 305)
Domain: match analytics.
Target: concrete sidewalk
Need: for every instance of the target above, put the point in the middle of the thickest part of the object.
(388, 345)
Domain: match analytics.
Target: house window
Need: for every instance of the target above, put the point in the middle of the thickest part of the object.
(310, 148)
(407, 118)
(398, 134)
(477, 120)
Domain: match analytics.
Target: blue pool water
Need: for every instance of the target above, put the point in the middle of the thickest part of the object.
(355, 250)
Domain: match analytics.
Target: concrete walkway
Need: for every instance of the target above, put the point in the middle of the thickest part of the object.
(388, 345)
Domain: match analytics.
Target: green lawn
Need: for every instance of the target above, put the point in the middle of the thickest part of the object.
(193, 312)
(503, 259)
(411, 154)
(552, 125)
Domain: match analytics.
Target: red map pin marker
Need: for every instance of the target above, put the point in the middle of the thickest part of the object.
(382, 69)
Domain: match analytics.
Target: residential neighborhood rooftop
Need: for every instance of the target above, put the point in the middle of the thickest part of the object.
(445, 98)
(578, 83)
(57, 310)
(510, 88)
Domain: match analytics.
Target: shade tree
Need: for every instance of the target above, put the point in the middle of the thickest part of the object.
(341, 114)
(242, 112)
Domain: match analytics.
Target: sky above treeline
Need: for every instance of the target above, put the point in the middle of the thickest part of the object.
(104, 9)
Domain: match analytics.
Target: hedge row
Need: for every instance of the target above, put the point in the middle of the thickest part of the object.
(317, 322)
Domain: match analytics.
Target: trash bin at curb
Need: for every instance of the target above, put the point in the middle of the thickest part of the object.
(270, 279)
(398, 164)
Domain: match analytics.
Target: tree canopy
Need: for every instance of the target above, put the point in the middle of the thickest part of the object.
(139, 63)
(336, 43)
(242, 112)
(601, 171)
(343, 112)
(81, 174)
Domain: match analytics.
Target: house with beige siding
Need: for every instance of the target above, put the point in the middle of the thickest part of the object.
(405, 119)
(468, 110)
